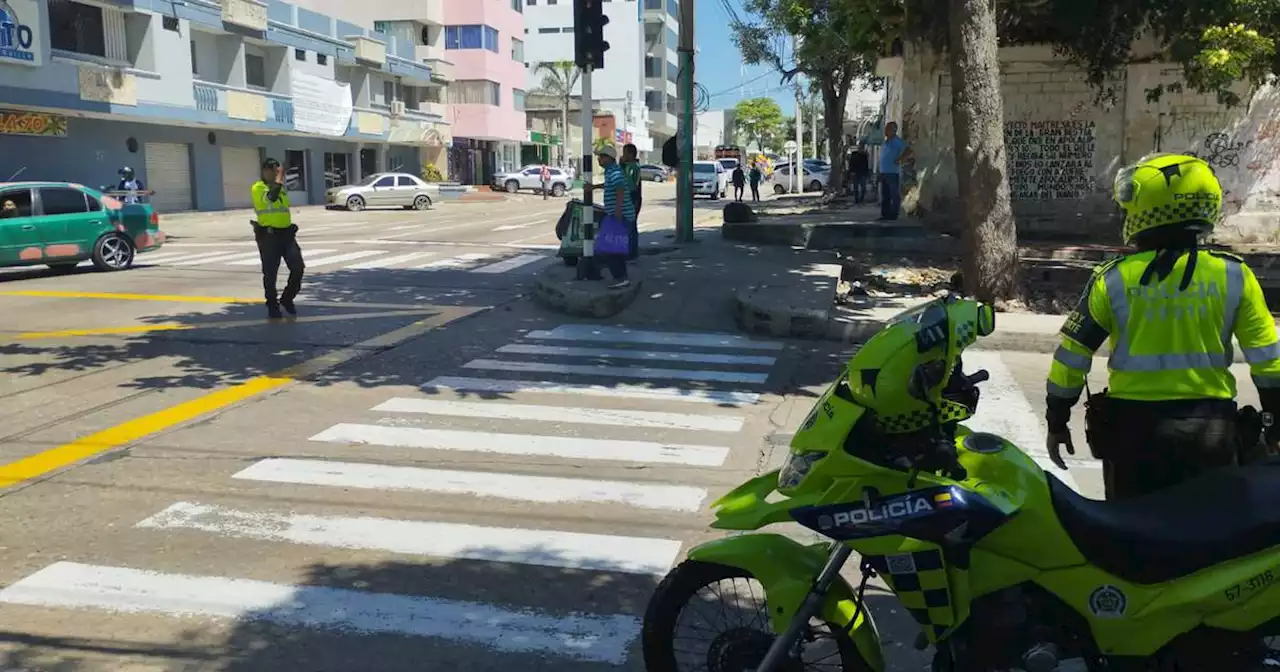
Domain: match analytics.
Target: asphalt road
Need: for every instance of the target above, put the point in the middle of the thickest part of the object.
(422, 471)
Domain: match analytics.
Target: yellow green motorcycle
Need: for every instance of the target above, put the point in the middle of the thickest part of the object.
(1002, 566)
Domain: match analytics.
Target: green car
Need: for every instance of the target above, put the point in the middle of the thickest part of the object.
(60, 224)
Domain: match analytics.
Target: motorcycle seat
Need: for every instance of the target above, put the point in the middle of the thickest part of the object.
(1218, 516)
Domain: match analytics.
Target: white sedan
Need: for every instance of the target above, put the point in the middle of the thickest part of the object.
(781, 179)
(383, 190)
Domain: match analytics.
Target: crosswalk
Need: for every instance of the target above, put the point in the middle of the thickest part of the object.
(321, 259)
(565, 412)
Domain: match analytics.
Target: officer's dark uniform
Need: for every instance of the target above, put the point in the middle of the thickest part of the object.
(1169, 312)
(277, 239)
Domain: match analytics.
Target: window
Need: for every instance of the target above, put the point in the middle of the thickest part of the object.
(300, 55)
(464, 37)
(673, 8)
(491, 39)
(517, 50)
(194, 69)
(20, 198)
(388, 181)
(94, 204)
(551, 2)
(169, 23)
(62, 201)
(388, 91)
(652, 67)
(77, 28)
(255, 71)
(406, 181)
(517, 98)
(517, 5)
(673, 72)
(530, 3)
(322, 59)
(673, 40)
(295, 170)
(335, 169)
(475, 92)
(653, 4)
(547, 31)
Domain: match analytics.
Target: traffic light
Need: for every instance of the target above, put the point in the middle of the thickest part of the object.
(588, 35)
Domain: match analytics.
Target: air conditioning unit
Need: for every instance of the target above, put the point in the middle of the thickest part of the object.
(397, 108)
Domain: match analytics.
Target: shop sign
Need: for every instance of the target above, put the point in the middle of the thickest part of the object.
(536, 138)
(21, 122)
(622, 137)
(19, 20)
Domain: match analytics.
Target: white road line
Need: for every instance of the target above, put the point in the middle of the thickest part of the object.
(514, 487)
(510, 264)
(619, 371)
(306, 253)
(460, 261)
(188, 258)
(417, 243)
(1004, 410)
(159, 257)
(386, 262)
(514, 227)
(349, 256)
(525, 444)
(121, 590)
(490, 385)
(660, 356)
(588, 332)
(225, 257)
(545, 548)
(469, 222)
(586, 416)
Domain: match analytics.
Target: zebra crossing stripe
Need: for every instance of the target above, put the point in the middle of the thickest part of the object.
(121, 590)
(337, 258)
(509, 264)
(255, 261)
(387, 262)
(615, 335)
(564, 414)
(619, 371)
(224, 257)
(497, 386)
(545, 548)
(646, 355)
(525, 444)
(513, 487)
(460, 261)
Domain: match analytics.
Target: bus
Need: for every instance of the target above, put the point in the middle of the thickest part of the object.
(729, 152)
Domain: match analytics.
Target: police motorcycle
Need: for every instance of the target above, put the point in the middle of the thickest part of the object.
(1002, 566)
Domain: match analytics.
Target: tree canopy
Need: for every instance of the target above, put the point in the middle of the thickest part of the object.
(759, 120)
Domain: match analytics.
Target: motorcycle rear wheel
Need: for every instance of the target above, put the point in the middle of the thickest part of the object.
(735, 650)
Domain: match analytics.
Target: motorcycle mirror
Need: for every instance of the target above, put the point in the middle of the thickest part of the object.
(986, 319)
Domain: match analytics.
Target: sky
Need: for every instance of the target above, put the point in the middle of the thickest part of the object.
(719, 65)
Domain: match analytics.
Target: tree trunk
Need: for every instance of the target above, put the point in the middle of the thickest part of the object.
(977, 114)
(564, 135)
(834, 96)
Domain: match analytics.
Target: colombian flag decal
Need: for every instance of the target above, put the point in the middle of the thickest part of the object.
(943, 500)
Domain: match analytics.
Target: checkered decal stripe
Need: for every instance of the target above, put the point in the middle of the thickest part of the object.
(1169, 213)
(919, 580)
(966, 334)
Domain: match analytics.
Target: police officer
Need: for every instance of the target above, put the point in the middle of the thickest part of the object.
(1169, 311)
(277, 238)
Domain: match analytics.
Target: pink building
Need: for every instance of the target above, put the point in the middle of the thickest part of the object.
(484, 39)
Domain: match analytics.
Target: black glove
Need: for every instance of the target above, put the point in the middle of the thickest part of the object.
(1057, 414)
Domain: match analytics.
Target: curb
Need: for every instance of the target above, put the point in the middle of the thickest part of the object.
(581, 298)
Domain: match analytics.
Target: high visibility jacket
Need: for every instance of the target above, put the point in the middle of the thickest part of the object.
(271, 214)
(1167, 343)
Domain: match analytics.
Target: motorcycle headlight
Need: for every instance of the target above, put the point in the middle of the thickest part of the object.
(796, 468)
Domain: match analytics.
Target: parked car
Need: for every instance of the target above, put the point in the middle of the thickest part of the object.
(383, 190)
(530, 177)
(707, 179)
(654, 173)
(814, 180)
(727, 165)
(60, 224)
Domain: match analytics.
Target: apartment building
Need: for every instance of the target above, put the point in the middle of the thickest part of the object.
(618, 89)
(661, 67)
(192, 94)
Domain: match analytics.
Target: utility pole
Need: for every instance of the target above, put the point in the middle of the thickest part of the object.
(684, 141)
(589, 48)
(798, 168)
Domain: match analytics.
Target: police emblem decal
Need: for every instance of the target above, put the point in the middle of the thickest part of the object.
(1107, 602)
(824, 522)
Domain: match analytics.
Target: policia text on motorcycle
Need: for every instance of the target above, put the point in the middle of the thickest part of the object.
(277, 238)
(1169, 311)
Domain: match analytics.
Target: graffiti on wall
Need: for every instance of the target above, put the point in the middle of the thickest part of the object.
(1220, 150)
(1050, 159)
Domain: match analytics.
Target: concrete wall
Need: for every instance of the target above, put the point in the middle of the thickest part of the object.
(1064, 148)
(504, 121)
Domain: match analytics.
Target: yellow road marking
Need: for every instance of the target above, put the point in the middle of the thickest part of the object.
(57, 294)
(44, 464)
(233, 324)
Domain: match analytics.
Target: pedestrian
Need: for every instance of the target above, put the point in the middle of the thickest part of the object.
(860, 172)
(1169, 311)
(130, 186)
(617, 202)
(631, 169)
(277, 238)
(545, 176)
(755, 178)
(892, 154)
(739, 181)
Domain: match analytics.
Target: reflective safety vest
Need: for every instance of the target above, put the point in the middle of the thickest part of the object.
(1168, 343)
(271, 214)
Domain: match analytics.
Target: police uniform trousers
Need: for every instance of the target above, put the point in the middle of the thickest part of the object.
(1149, 446)
(276, 245)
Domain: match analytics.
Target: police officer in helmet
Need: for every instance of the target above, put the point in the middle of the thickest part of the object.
(1169, 311)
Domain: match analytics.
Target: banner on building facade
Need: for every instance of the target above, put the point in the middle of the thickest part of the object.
(321, 106)
(22, 122)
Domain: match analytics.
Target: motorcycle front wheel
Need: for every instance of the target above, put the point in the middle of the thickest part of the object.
(726, 606)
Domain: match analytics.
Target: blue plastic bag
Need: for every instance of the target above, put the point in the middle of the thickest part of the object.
(613, 237)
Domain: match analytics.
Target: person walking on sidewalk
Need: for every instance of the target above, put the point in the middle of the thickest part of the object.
(755, 177)
(892, 153)
(277, 238)
(860, 172)
(631, 169)
(617, 202)
(739, 181)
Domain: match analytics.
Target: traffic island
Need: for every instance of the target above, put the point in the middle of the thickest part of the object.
(557, 288)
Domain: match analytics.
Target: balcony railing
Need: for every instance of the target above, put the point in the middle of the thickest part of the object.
(283, 111)
(243, 104)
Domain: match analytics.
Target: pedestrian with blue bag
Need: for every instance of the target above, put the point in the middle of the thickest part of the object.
(613, 242)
